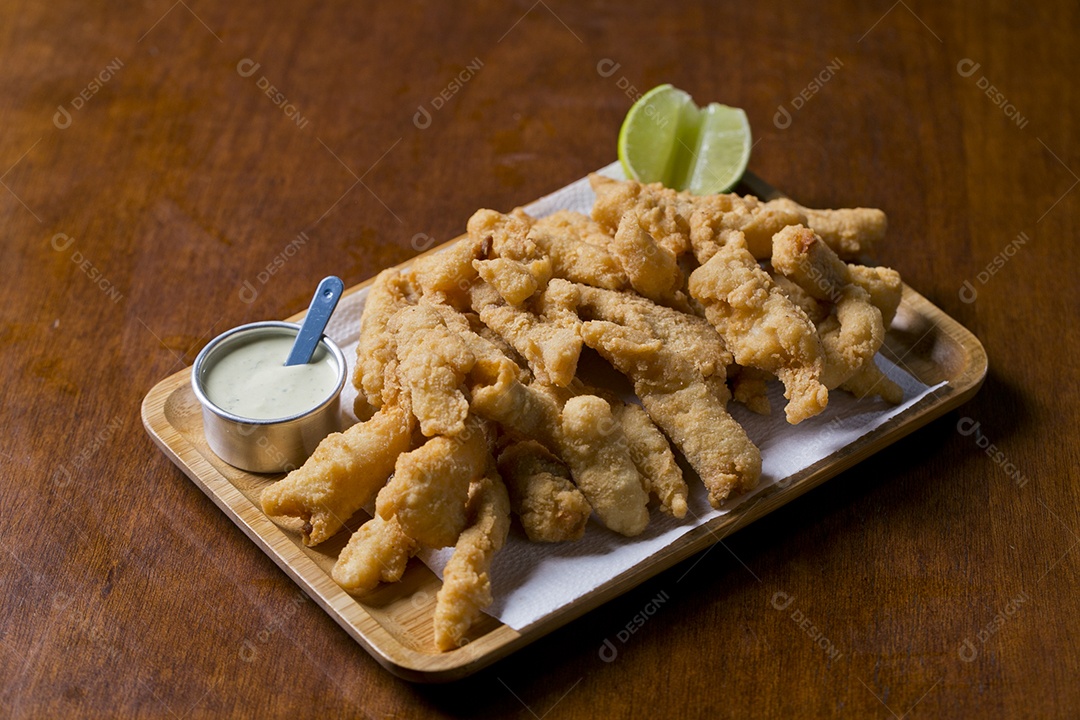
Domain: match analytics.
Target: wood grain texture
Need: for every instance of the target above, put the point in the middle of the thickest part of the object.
(130, 232)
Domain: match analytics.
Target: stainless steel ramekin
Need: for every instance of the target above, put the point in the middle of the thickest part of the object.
(265, 446)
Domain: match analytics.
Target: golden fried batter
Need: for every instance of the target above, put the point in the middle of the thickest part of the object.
(686, 335)
(512, 263)
(853, 332)
(584, 435)
(550, 348)
(652, 455)
(378, 552)
(749, 386)
(549, 506)
(652, 269)
(596, 447)
(681, 220)
(376, 360)
(762, 327)
(573, 224)
(430, 486)
(664, 214)
(450, 271)
(344, 472)
(869, 380)
(884, 286)
(689, 408)
(849, 232)
(432, 362)
(466, 588)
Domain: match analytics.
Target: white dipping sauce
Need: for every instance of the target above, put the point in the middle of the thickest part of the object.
(250, 379)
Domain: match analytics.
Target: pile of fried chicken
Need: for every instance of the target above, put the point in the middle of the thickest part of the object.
(472, 409)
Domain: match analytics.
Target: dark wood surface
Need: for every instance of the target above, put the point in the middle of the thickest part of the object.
(937, 579)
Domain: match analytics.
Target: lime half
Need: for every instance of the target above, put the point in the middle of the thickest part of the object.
(666, 138)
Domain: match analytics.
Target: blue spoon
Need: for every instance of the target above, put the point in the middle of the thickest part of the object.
(311, 331)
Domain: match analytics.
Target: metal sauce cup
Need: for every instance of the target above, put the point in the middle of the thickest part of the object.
(265, 446)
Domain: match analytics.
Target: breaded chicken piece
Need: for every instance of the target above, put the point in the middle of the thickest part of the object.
(578, 261)
(596, 446)
(803, 256)
(491, 353)
(652, 269)
(432, 362)
(344, 472)
(689, 336)
(663, 213)
(652, 455)
(816, 310)
(376, 360)
(854, 330)
(869, 380)
(681, 220)
(762, 327)
(749, 386)
(575, 225)
(378, 552)
(466, 586)
(585, 437)
(716, 218)
(527, 241)
(430, 487)
(516, 281)
(800, 255)
(689, 408)
(849, 232)
(549, 506)
(850, 336)
(551, 349)
(512, 263)
(884, 286)
(449, 272)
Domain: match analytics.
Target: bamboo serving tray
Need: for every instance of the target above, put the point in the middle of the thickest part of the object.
(394, 622)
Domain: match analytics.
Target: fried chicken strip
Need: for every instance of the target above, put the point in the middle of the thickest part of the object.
(551, 349)
(596, 448)
(449, 272)
(681, 220)
(689, 408)
(584, 435)
(849, 232)
(762, 327)
(664, 214)
(512, 263)
(376, 359)
(466, 587)
(884, 286)
(854, 331)
(378, 552)
(652, 455)
(652, 269)
(689, 336)
(344, 472)
(749, 387)
(575, 225)
(430, 487)
(527, 241)
(869, 380)
(550, 507)
(432, 362)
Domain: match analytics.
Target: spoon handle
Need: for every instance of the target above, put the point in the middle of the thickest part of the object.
(311, 331)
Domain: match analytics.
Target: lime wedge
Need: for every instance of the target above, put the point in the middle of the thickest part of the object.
(666, 138)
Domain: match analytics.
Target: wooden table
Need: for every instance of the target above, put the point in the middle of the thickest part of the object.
(170, 171)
